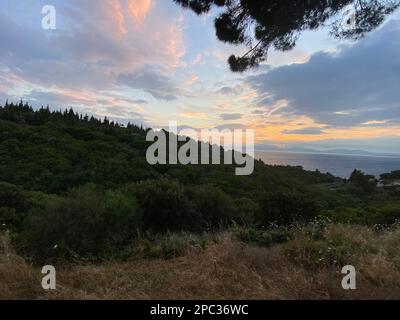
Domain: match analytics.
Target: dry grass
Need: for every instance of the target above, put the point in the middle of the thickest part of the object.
(225, 270)
(18, 280)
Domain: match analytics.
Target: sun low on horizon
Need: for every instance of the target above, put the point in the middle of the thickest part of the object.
(152, 62)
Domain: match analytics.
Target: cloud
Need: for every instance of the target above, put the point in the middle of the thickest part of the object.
(60, 99)
(151, 81)
(106, 104)
(115, 7)
(258, 112)
(356, 85)
(388, 145)
(140, 101)
(194, 78)
(139, 9)
(226, 90)
(305, 131)
(93, 45)
(231, 116)
(193, 115)
(375, 122)
(231, 126)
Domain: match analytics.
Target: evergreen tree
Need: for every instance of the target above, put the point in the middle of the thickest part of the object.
(266, 24)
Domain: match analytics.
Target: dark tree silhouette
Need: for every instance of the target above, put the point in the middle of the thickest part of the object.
(265, 24)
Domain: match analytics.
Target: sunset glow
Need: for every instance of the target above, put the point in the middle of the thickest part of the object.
(150, 62)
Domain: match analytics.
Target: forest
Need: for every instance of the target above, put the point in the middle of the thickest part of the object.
(77, 186)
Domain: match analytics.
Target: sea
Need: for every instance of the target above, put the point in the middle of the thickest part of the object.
(339, 165)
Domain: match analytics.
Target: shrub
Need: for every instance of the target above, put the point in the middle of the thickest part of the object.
(214, 205)
(387, 215)
(334, 245)
(245, 211)
(361, 184)
(262, 237)
(165, 207)
(86, 222)
(8, 217)
(12, 196)
(285, 208)
(384, 215)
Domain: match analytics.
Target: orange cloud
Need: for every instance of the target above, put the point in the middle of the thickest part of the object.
(175, 43)
(276, 132)
(194, 115)
(276, 126)
(192, 79)
(159, 42)
(79, 96)
(114, 6)
(139, 9)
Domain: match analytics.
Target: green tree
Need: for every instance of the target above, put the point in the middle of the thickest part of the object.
(165, 207)
(214, 205)
(265, 24)
(360, 183)
(87, 222)
(284, 208)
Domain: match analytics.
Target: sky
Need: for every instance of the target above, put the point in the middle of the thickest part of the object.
(152, 62)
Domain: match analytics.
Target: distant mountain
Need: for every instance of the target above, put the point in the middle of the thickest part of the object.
(354, 152)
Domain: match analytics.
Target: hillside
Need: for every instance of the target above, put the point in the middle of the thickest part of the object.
(83, 185)
(55, 151)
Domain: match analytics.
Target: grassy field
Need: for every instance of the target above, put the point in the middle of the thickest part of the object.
(307, 266)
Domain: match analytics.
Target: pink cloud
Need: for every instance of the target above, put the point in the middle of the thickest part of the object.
(79, 96)
(117, 12)
(158, 42)
(122, 37)
(97, 45)
(139, 9)
(114, 6)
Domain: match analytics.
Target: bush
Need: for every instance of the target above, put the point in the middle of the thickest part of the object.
(8, 217)
(265, 238)
(214, 205)
(334, 245)
(13, 197)
(387, 215)
(361, 184)
(285, 208)
(383, 216)
(245, 211)
(14, 202)
(85, 222)
(165, 207)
